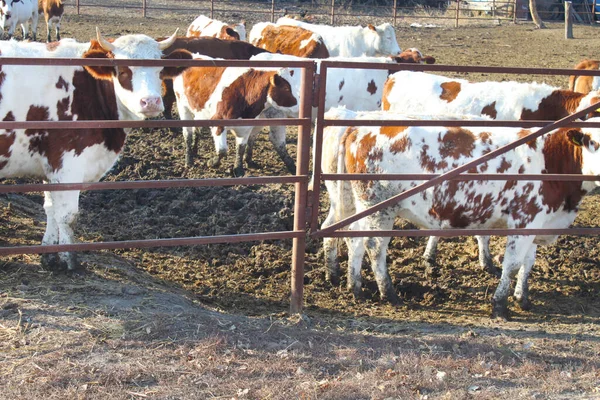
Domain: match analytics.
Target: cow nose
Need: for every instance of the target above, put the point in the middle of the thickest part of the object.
(153, 103)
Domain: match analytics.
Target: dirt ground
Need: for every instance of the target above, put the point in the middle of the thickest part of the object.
(208, 322)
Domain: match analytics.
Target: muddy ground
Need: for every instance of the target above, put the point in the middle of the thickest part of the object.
(211, 321)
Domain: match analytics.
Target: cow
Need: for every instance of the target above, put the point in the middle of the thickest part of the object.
(14, 12)
(585, 84)
(230, 93)
(352, 41)
(204, 26)
(53, 11)
(74, 93)
(356, 88)
(423, 93)
(455, 204)
(212, 47)
(285, 39)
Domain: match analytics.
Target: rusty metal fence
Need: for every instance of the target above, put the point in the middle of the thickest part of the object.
(306, 205)
(338, 12)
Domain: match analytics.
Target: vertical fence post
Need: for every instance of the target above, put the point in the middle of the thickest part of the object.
(494, 8)
(332, 11)
(144, 8)
(272, 11)
(301, 195)
(457, 12)
(395, 11)
(515, 12)
(77, 5)
(568, 20)
(212, 9)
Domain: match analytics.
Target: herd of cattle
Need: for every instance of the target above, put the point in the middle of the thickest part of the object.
(136, 93)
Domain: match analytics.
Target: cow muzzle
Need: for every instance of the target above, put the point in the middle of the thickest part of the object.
(151, 106)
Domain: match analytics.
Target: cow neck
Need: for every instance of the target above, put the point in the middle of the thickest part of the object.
(95, 99)
(562, 157)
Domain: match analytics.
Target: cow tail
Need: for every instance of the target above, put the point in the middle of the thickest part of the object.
(342, 185)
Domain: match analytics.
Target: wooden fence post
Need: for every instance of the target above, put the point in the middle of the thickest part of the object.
(332, 11)
(77, 5)
(144, 8)
(568, 20)
(272, 11)
(395, 11)
(457, 12)
(212, 9)
(515, 13)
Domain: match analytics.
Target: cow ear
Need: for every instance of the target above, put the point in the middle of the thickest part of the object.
(232, 33)
(371, 27)
(575, 137)
(429, 60)
(99, 72)
(172, 72)
(276, 80)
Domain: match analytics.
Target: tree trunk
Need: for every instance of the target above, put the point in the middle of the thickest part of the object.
(535, 16)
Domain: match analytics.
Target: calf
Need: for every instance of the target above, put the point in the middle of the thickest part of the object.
(455, 204)
(212, 47)
(352, 41)
(422, 93)
(14, 12)
(53, 11)
(231, 93)
(585, 84)
(204, 26)
(292, 40)
(69, 93)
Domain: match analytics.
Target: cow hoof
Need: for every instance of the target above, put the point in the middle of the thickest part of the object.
(214, 162)
(500, 311)
(52, 262)
(391, 298)
(238, 172)
(253, 164)
(334, 279)
(493, 270)
(524, 304)
(432, 270)
(358, 295)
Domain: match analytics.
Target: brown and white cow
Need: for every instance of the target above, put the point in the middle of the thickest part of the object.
(454, 204)
(208, 46)
(284, 39)
(73, 93)
(422, 93)
(585, 84)
(204, 26)
(53, 11)
(232, 93)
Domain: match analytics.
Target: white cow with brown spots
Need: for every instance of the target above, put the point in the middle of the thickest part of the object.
(585, 84)
(352, 41)
(455, 204)
(69, 93)
(204, 26)
(284, 39)
(429, 94)
(53, 11)
(231, 93)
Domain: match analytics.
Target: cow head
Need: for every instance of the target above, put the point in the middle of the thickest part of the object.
(384, 39)
(137, 89)
(413, 56)
(588, 140)
(284, 89)
(5, 13)
(592, 97)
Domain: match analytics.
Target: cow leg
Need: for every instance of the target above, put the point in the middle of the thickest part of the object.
(63, 207)
(330, 247)
(376, 248)
(277, 136)
(168, 97)
(248, 159)
(220, 139)
(429, 256)
(238, 169)
(50, 260)
(517, 249)
(522, 287)
(356, 253)
(485, 258)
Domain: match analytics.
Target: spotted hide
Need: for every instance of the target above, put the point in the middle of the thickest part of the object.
(352, 41)
(422, 93)
(455, 204)
(585, 84)
(231, 93)
(204, 26)
(292, 40)
(65, 93)
(53, 11)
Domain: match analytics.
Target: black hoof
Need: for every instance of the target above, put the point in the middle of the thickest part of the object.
(334, 279)
(500, 311)
(391, 298)
(53, 262)
(214, 162)
(525, 304)
(238, 172)
(253, 165)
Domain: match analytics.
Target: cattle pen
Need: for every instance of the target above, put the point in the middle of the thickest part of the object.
(306, 204)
